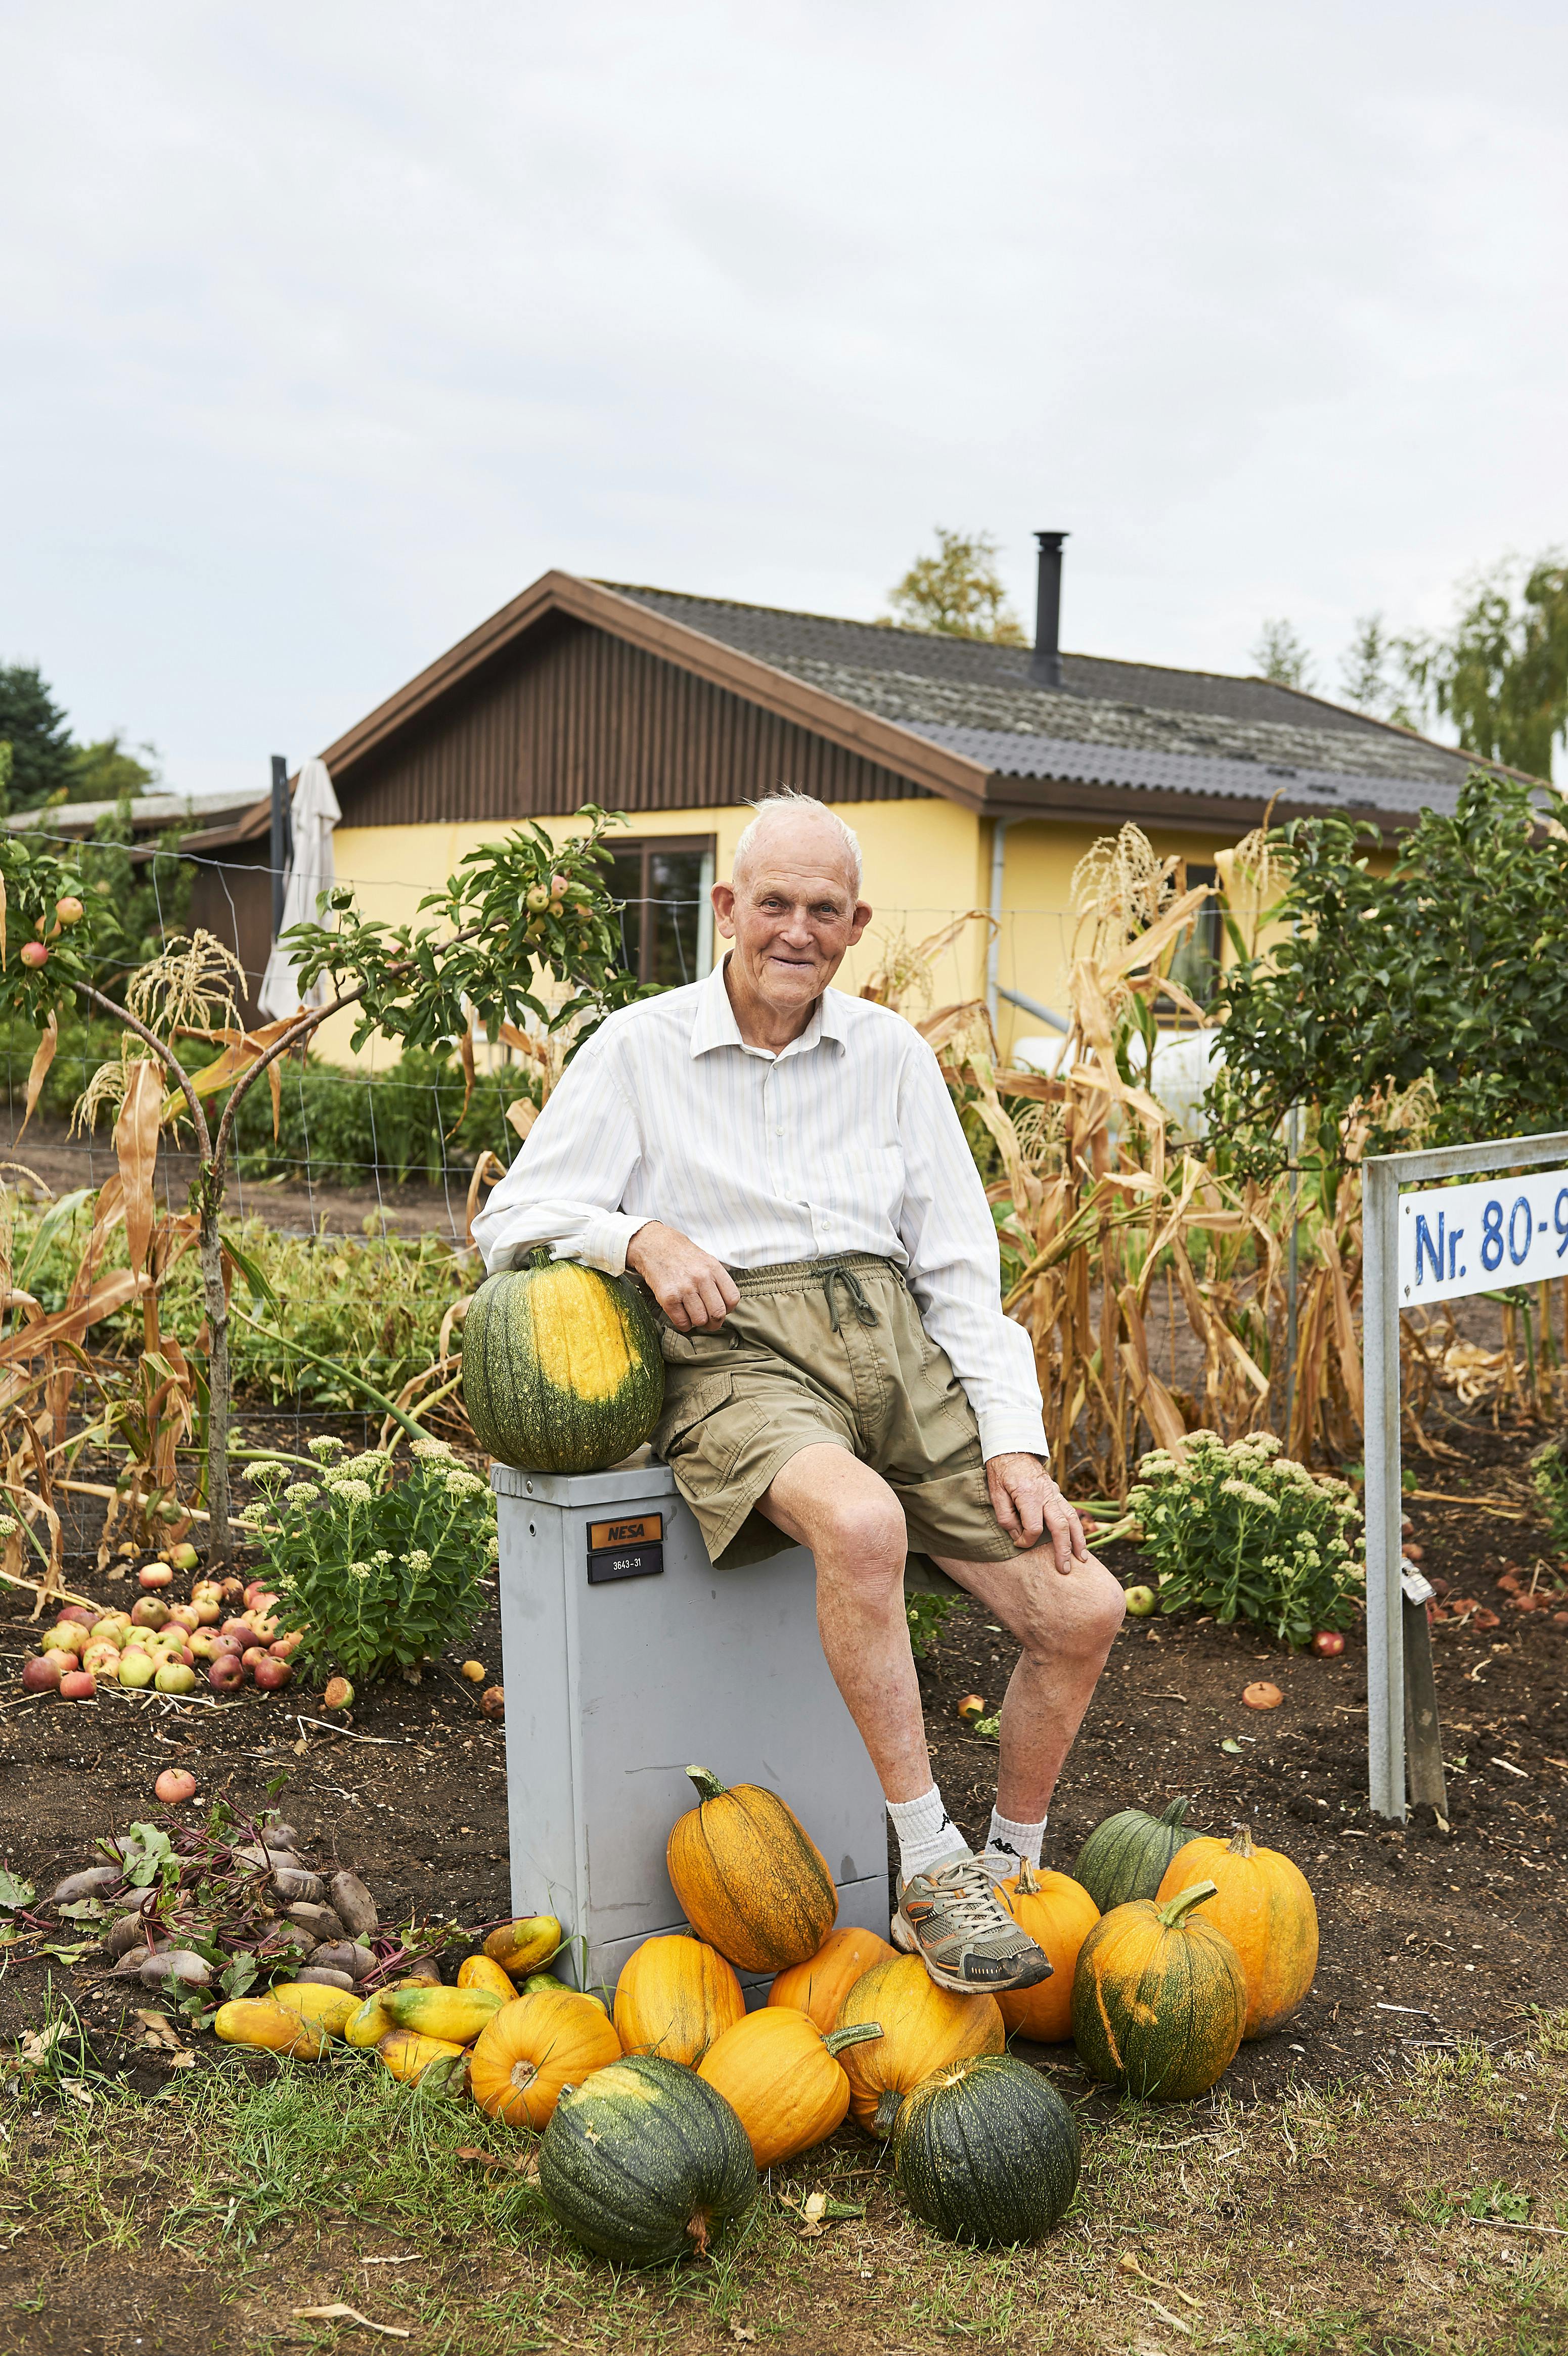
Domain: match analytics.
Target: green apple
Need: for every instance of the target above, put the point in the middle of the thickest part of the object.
(1141, 1601)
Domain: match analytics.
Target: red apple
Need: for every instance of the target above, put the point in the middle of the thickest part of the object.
(175, 1786)
(1328, 1644)
(149, 1612)
(255, 1655)
(226, 1673)
(271, 1674)
(33, 953)
(285, 1647)
(79, 1616)
(185, 1616)
(42, 1672)
(78, 1684)
(155, 1574)
(69, 911)
(241, 1631)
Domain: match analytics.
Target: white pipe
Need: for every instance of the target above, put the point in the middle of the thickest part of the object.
(993, 954)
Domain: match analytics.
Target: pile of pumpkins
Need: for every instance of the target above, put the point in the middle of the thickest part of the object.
(1166, 1949)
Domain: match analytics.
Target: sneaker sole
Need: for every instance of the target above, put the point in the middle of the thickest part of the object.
(905, 1938)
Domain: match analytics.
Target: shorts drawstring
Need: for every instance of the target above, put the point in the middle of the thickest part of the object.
(858, 1302)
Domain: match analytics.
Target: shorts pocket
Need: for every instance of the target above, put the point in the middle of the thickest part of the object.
(701, 1435)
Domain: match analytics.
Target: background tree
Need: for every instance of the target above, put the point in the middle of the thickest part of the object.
(1281, 654)
(958, 592)
(32, 722)
(1500, 674)
(108, 771)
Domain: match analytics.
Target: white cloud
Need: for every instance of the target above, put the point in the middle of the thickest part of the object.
(327, 330)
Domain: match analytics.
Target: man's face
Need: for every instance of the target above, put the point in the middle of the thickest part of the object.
(791, 916)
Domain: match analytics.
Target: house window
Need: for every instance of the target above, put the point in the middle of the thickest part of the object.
(1195, 968)
(667, 918)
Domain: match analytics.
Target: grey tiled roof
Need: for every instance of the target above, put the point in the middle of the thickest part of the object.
(1111, 723)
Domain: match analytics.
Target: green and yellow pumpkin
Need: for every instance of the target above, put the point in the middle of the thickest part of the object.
(1158, 1998)
(984, 2150)
(645, 2162)
(1125, 1856)
(752, 1881)
(562, 1367)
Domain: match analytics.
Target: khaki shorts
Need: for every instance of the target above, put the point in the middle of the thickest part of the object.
(824, 1352)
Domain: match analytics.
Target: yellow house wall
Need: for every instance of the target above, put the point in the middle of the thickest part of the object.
(924, 866)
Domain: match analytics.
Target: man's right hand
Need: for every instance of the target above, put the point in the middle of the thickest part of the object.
(694, 1290)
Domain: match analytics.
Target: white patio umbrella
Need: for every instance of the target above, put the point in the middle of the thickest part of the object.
(310, 873)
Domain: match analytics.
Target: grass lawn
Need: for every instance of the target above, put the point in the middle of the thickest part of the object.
(1426, 2209)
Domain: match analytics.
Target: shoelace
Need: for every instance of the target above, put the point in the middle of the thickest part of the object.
(972, 1902)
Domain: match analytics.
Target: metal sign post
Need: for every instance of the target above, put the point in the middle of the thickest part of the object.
(1418, 1250)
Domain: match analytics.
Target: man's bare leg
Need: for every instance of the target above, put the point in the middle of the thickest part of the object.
(827, 1500)
(1066, 1623)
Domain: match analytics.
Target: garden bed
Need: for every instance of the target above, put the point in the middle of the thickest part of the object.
(1441, 1953)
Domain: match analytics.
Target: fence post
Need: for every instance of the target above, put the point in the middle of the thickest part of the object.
(283, 838)
(1385, 1495)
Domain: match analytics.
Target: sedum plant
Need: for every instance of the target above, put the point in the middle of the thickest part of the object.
(1248, 1533)
(380, 1572)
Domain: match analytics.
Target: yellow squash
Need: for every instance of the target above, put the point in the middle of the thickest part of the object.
(457, 2015)
(254, 2021)
(483, 1972)
(331, 2009)
(370, 2023)
(409, 2056)
(522, 1947)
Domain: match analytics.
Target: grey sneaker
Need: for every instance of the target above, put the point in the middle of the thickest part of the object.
(953, 1919)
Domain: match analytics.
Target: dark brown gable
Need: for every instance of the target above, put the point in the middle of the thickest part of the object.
(570, 714)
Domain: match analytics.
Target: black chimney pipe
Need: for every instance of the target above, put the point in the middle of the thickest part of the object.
(282, 842)
(1045, 668)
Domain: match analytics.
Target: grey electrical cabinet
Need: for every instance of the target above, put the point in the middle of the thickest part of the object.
(627, 1657)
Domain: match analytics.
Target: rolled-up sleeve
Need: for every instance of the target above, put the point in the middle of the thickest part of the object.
(566, 1185)
(955, 1267)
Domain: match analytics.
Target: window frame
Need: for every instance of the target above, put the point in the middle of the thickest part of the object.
(644, 845)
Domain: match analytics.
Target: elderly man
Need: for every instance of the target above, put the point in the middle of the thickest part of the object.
(781, 1167)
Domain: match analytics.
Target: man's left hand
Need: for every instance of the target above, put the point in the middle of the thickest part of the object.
(1028, 1503)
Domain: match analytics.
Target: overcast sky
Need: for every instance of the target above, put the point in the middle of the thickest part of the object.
(328, 327)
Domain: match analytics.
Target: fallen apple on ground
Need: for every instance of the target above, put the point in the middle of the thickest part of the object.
(1141, 1601)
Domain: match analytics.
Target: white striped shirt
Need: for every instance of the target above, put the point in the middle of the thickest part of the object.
(846, 1141)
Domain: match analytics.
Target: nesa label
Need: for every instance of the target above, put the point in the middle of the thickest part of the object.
(1482, 1238)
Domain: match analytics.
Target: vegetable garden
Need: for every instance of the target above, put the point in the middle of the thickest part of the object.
(271, 1425)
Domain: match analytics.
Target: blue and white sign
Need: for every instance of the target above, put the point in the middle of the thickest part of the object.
(1482, 1238)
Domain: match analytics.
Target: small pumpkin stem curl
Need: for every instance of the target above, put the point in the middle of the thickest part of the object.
(1026, 1880)
(1177, 1812)
(1241, 1842)
(856, 2033)
(706, 1781)
(697, 2229)
(1175, 1909)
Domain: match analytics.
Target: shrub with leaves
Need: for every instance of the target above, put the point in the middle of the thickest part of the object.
(381, 1572)
(1550, 1466)
(1248, 1533)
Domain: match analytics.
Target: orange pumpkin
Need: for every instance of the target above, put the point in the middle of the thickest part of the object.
(1058, 1915)
(752, 1881)
(674, 1997)
(783, 2080)
(923, 2028)
(1263, 1906)
(533, 2047)
(818, 1987)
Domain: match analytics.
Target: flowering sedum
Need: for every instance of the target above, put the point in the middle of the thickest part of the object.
(1248, 1533)
(381, 1564)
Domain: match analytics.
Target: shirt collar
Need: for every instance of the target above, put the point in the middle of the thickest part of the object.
(716, 1026)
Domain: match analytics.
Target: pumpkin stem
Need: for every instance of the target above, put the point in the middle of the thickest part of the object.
(1241, 1842)
(856, 2034)
(707, 1782)
(696, 2227)
(1175, 1909)
(890, 2102)
(540, 1256)
(1026, 1880)
(1177, 1812)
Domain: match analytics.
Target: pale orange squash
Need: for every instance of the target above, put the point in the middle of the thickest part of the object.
(676, 1996)
(533, 2047)
(923, 2028)
(752, 1881)
(1058, 1915)
(483, 1972)
(1263, 1906)
(819, 1987)
(783, 2080)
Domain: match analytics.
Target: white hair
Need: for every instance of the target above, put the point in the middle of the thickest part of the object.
(787, 800)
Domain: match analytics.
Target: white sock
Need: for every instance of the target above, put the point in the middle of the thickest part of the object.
(1012, 1844)
(927, 1834)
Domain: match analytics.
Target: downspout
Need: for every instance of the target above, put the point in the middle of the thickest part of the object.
(994, 952)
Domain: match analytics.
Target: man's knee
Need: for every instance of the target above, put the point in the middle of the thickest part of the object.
(1078, 1615)
(864, 1538)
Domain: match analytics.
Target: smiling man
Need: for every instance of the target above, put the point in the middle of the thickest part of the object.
(782, 1166)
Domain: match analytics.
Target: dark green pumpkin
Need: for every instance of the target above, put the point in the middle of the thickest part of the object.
(1127, 1855)
(987, 2151)
(1159, 1998)
(645, 2161)
(562, 1367)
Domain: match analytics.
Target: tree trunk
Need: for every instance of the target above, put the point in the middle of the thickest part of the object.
(218, 1382)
